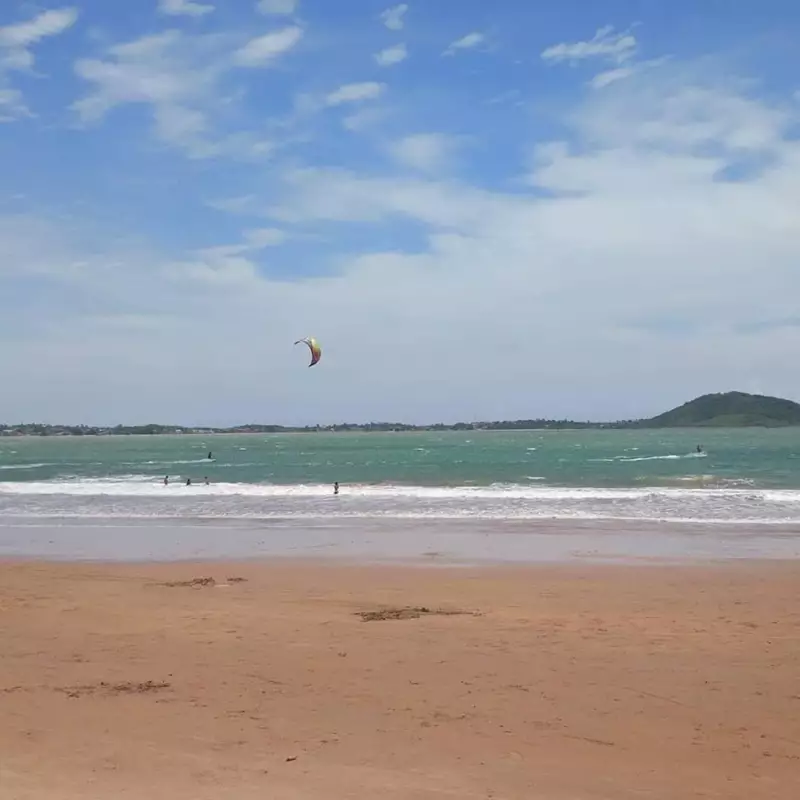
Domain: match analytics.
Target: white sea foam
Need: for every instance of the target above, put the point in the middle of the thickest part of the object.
(140, 496)
(670, 457)
(26, 466)
(169, 463)
(144, 486)
(632, 459)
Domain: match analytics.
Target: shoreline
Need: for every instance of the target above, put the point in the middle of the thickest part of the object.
(433, 542)
(217, 566)
(324, 681)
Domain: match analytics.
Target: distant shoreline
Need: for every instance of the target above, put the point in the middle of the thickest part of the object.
(732, 410)
(71, 432)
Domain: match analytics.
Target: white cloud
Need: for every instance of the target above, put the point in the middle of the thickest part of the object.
(620, 49)
(426, 152)
(392, 55)
(253, 240)
(631, 68)
(605, 44)
(16, 41)
(277, 7)
(266, 48)
(22, 35)
(343, 196)
(186, 8)
(394, 17)
(172, 74)
(364, 118)
(178, 77)
(468, 42)
(673, 117)
(610, 76)
(355, 93)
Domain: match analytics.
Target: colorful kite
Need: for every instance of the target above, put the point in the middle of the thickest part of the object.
(313, 346)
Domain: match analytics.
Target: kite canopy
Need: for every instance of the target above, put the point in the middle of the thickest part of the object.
(313, 346)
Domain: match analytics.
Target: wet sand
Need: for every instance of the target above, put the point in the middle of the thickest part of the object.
(390, 540)
(327, 682)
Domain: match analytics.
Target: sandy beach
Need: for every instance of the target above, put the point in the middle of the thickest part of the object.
(299, 680)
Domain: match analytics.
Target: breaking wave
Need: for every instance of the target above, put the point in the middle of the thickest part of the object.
(143, 496)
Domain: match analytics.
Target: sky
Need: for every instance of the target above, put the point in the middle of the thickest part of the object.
(481, 210)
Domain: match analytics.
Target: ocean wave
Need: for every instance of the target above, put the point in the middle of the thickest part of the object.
(690, 498)
(145, 486)
(26, 466)
(705, 480)
(632, 459)
(169, 463)
(432, 515)
(670, 457)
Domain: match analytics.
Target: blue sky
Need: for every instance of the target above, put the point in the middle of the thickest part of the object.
(482, 210)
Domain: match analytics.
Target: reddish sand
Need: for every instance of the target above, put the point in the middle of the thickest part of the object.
(560, 683)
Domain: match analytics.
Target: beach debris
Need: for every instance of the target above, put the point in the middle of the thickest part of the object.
(104, 687)
(313, 346)
(407, 612)
(199, 582)
(193, 582)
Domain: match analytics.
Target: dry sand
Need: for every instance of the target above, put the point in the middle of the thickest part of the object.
(557, 682)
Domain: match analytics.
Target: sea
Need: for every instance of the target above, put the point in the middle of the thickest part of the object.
(619, 479)
(744, 475)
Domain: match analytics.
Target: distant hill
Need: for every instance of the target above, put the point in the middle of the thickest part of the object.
(728, 410)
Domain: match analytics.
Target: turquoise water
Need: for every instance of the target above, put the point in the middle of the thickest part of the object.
(742, 475)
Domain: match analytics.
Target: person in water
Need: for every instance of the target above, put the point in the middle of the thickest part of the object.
(166, 480)
(209, 455)
(188, 481)
(206, 480)
(336, 487)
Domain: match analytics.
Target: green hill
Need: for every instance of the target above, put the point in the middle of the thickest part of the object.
(729, 410)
